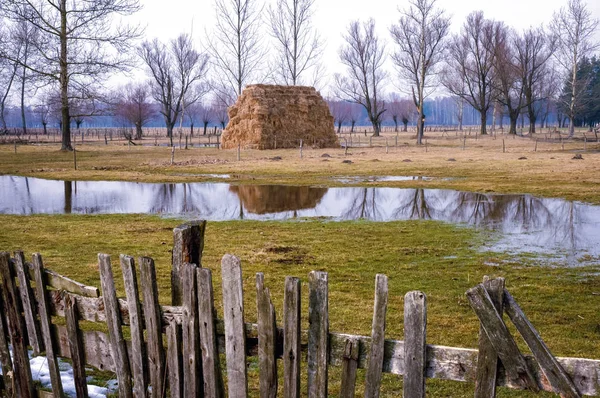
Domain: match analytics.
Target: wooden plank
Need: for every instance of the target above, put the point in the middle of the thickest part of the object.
(267, 334)
(235, 339)
(118, 348)
(500, 337)
(29, 304)
(60, 282)
(153, 321)
(192, 373)
(415, 333)
(291, 338)
(487, 359)
(349, 366)
(76, 347)
(211, 368)
(376, 353)
(318, 333)
(5, 357)
(188, 244)
(136, 354)
(174, 360)
(558, 378)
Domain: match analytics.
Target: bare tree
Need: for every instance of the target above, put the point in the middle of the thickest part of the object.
(340, 110)
(81, 42)
(574, 29)
(207, 115)
(235, 46)
(355, 115)
(9, 67)
(177, 71)
(364, 57)
(420, 38)
(469, 73)
(219, 110)
(133, 106)
(297, 42)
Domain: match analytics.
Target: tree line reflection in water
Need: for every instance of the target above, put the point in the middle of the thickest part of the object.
(527, 223)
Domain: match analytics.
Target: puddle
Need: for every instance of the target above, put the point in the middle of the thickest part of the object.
(567, 232)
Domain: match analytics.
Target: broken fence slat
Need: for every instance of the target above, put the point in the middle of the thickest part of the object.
(558, 378)
(291, 338)
(192, 375)
(188, 244)
(501, 339)
(349, 366)
(29, 304)
(76, 347)
(487, 359)
(318, 333)
(174, 360)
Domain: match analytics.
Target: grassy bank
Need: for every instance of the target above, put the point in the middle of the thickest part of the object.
(523, 166)
(441, 260)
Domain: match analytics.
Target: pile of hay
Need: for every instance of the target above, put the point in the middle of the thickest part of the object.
(270, 117)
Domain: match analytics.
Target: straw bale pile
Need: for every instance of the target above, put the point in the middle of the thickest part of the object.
(270, 117)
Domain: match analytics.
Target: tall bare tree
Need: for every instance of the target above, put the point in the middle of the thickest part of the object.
(235, 46)
(297, 42)
(420, 38)
(364, 58)
(178, 73)
(469, 72)
(574, 28)
(80, 41)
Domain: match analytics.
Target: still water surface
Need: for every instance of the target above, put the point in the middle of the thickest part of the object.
(567, 231)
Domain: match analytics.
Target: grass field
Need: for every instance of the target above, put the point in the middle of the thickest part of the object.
(441, 260)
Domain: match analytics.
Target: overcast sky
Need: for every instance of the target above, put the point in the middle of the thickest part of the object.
(167, 19)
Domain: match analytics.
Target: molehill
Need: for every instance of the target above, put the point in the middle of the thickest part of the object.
(271, 117)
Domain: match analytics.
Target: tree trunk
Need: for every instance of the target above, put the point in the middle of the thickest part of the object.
(23, 121)
(64, 81)
(532, 119)
(352, 128)
(138, 131)
(395, 118)
(170, 132)
(205, 127)
(483, 122)
(192, 129)
(405, 123)
(45, 128)
(339, 127)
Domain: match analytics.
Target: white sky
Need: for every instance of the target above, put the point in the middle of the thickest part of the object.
(166, 19)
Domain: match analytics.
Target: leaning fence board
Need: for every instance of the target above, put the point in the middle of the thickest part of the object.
(174, 360)
(59, 282)
(235, 339)
(12, 384)
(376, 353)
(22, 381)
(487, 360)
(44, 313)
(267, 339)
(559, 380)
(318, 333)
(213, 382)
(415, 332)
(113, 321)
(153, 320)
(76, 347)
(5, 358)
(192, 375)
(291, 338)
(29, 304)
(188, 244)
(500, 337)
(349, 365)
(135, 320)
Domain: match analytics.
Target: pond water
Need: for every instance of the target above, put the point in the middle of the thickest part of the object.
(568, 231)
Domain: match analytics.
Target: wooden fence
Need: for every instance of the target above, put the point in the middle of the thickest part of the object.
(190, 365)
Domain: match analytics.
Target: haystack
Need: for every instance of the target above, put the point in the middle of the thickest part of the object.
(270, 117)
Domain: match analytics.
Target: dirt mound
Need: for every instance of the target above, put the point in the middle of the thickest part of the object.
(270, 117)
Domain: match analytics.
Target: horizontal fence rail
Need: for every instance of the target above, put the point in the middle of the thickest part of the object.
(190, 364)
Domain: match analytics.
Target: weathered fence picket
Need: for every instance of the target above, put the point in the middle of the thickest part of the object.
(196, 338)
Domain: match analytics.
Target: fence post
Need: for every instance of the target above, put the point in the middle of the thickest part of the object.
(188, 244)
(22, 380)
(28, 300)
(235, 336)
(174, 359)
(137, 331)
(487, 359)
(291, 338)
(318, 334)
(153, 319)
(211, 369)
(76, 346)
(192, 374)
(301, 144)
(375, 366)
(349, 365)
(118, 348)
(267, 339)
(415, 330)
